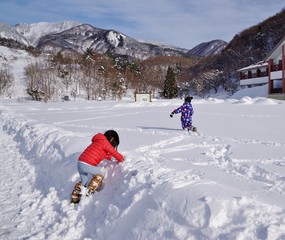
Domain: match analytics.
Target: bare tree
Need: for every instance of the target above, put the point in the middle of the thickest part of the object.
(42, 80)
(6, 78)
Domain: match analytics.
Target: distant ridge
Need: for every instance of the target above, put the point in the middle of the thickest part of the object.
(208, 48)
(68, 36)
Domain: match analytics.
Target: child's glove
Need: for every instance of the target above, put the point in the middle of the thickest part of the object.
(171, 115)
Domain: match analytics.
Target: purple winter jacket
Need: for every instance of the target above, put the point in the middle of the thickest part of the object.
(186, 111)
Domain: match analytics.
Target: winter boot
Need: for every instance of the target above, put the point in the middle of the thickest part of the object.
(193, 129)
(95, 184)
(76, 193)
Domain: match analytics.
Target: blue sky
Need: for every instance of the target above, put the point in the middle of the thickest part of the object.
(183, 23)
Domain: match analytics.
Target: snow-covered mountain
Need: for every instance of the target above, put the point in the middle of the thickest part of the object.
(208, 48)
(10, 32)
(33, 32)
(85, 36)
(74, 36)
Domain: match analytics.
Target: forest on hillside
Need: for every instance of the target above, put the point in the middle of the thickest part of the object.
(99, 76)
(247, 47)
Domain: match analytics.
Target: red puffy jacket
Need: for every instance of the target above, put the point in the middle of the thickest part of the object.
(98, 150)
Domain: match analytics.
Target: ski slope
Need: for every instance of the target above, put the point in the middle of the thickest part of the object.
(225, 182)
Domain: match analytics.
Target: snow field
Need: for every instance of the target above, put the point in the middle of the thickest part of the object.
(224, 182)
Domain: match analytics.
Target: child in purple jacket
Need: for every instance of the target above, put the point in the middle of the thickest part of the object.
(186, 111)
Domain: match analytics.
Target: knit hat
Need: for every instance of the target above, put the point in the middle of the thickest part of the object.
(188, 99)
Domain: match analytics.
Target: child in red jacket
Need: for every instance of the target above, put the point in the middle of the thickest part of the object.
(91, 176)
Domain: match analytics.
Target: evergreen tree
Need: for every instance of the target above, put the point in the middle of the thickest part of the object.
(170, 86)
